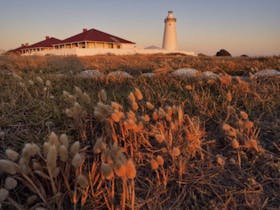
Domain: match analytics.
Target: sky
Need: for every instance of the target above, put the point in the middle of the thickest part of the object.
(249, 27)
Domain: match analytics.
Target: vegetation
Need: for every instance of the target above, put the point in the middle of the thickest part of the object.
(140, 143)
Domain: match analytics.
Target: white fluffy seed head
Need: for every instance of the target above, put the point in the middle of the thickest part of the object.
(11, 154)
(63, 153)
(77, 160)
(46, 147)
(99, 146)
(8, 166)
(52, 157)
(75, 148)
(10, 183)
(64, 140)
(107, 171)
(3, 194)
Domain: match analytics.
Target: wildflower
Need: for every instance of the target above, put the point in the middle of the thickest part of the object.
(8, 166)
(75, 148)
(117, 116)
(48, 83)
(155, 115)
(39, 79)
(160, 160)
(145, 118)
(226, 127)
(154, 164)
(77, 160)
(107, 171)
(52, 157)
(249, 125)
(138, 94)
(82, 181)
(130, 169)
(3, 195)
(11, 154)
(10, 183)
(149, 105)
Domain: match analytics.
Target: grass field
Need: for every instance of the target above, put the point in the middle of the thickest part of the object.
(140, 143)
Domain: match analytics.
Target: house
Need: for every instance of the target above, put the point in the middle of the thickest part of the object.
(94, 39)
(46, 44)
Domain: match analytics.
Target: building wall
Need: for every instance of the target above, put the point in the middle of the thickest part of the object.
(100, 51)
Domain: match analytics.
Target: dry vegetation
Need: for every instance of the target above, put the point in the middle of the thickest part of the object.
(142, 143)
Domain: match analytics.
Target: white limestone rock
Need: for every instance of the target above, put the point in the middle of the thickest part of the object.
(267, 73)
(119, 75)
(150, 75)
(209, 75)
(186, 72)
(93, 74)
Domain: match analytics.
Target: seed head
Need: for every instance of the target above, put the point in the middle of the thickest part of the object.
(130, 169)
(82, 181)
(175, 152)
(52, 157)
(77, 160)
(220, 160)
(75, 148)
(116, 105)
(10, 183)
(64, 140)
(120, 169)
(135, 106)
(131, 98)
(229, 97)
(160, 160)
(8, 167)
(103, 96)
(244, 115)
(63, 153)
(46, 147)
(154, 164)
(99, 146)
(138, 94)
(149, 105)
(3, 195)
(11, 154)
(189, 87)
(107, 171)
(160, 138)
(53, 140)
(249, 125)
(235, 144)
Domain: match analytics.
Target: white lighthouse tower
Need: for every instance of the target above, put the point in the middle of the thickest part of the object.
(170, 34)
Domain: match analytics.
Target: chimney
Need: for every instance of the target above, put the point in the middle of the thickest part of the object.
(26, 44)
(47, 37)
(22, 45)
(84, 30)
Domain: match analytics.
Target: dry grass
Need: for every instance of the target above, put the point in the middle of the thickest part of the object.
(143, 143)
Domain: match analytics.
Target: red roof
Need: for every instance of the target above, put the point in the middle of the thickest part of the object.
(96, 36)
(48, 42)
(17, 49)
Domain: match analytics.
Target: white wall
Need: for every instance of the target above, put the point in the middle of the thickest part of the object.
(100, 51)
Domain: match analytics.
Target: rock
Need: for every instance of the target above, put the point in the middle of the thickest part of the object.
(244, 56)
(119, 75)
(209, 75)
(223, 52)
(150, 75)
(94, 74)
(185, 72)
(267, 73)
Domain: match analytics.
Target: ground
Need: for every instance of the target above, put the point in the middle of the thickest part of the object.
(219, 139)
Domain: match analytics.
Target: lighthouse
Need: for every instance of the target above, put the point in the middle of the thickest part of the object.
(170, 34)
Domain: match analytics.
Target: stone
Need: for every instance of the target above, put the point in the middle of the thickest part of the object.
(209, 75)
(150, 75)
(267, 73)
(119, 75)
(186, 72)
(93, 74)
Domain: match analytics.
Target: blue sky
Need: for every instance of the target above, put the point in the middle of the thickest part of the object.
(241, 26)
